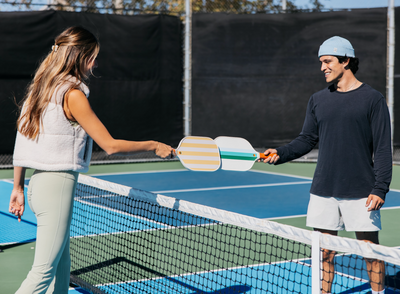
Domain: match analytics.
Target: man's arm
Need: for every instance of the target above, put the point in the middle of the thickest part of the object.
(381, 132)
(300, 146)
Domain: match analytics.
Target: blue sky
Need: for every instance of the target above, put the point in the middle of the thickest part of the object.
(328, 4)
(336, 4)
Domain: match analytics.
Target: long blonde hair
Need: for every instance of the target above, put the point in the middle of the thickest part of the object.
(73, 50)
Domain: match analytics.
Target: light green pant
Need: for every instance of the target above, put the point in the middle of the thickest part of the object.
(50, 197)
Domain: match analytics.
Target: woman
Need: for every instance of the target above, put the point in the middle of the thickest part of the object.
(55, 132)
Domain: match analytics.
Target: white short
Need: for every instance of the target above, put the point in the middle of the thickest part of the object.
(337, 214)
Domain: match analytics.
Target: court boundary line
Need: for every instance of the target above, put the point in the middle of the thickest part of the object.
(280, 174)
(137, 172)
(304, 215)
(232, 187)
(285, 217)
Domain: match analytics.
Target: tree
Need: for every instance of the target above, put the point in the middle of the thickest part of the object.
(176, 7)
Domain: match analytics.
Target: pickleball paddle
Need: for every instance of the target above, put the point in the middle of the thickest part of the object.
(237, 154)
(198, 153)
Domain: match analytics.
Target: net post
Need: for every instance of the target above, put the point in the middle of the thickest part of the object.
(188, 69)
(315, 263)
(390, 61)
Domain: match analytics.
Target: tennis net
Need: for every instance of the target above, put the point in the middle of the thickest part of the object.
(125, 240)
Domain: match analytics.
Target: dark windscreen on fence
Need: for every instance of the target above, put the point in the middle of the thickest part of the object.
(253, 74)
(137, 88)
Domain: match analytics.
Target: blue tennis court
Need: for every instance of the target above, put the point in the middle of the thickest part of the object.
(253, 193)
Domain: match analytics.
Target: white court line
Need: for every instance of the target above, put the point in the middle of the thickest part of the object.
(138, 172)
(304, 215)
(392, 207)
(231, 187)
(279, 174)
(285, 217)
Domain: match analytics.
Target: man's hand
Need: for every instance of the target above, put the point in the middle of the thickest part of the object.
(374, 202)
(273, 158)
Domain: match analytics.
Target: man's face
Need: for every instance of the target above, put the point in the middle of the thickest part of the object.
(332, 69)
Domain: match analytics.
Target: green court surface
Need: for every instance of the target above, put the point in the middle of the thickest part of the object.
(15, 263)
(16, 260)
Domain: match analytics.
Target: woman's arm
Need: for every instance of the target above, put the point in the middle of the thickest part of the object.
(17, 199)
(78, 108)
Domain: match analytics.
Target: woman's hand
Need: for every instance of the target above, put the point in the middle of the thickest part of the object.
(163, 150)
(17, 203)
(17, 199)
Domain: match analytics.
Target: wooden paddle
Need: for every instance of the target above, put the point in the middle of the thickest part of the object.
(198, 154)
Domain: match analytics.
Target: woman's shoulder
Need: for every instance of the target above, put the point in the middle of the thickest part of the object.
(66, 84)
(72, 82)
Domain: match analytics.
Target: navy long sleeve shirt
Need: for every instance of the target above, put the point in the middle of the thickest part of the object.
(354, 136)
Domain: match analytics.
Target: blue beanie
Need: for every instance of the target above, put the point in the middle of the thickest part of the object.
(336, 46)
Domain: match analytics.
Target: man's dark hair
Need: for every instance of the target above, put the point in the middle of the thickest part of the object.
(353, 62)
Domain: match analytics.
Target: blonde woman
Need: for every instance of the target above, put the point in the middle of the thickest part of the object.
(55, 132)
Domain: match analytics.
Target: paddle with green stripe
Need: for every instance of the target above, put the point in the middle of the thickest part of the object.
(237, 154)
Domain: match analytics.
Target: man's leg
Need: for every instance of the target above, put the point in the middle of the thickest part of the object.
(328, 264)
(375, 267)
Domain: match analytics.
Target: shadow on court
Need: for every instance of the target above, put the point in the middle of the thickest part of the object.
(151, 273)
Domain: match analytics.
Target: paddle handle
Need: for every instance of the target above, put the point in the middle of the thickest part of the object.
(263, 156)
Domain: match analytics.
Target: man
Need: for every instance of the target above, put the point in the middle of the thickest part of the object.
(350, 121)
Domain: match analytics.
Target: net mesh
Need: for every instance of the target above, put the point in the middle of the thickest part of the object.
(131, 241)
